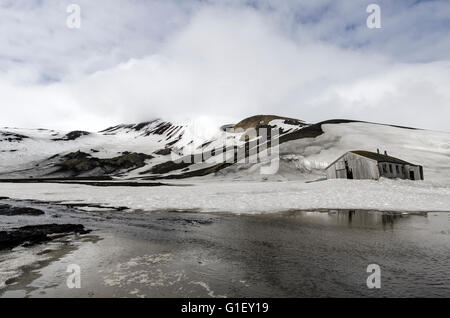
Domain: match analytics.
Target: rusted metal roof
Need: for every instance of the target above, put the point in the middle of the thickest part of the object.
(374, 156)
(381, 157)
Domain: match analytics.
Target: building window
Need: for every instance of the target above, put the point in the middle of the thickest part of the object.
(391, 169)
(384, 168)
(397, 168)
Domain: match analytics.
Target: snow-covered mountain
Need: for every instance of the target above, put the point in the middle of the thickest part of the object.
(159, 149)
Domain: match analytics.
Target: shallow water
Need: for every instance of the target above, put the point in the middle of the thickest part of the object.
(288, 254)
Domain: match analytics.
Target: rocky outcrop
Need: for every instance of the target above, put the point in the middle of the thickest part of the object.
(11, 137)
(163, 152)
(79, 162)
(73, 135)
(34, 234)
(259, 121)
(8, 210)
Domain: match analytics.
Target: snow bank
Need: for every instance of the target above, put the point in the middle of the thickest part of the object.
(251, 197)
(431, 149)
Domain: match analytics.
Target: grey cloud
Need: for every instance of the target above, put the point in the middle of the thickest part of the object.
(132, 61)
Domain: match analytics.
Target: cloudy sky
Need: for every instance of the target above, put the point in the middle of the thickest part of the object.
(132, 61)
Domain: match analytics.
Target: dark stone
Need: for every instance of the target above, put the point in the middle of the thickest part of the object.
(8, 210)
(111, 129)
(173, 142)
(34, 234)
(53, 157)
(188, 221)
(11, 137)
(118, 184)
(73, 135)
(205, 144)
(136, 127)
(139, 126)
(76, 134)
(160, 129)
(168, 166)
(77, 155)
(293, 122)
(163, 152)
(79, 162)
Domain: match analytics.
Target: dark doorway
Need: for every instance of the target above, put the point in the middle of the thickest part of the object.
(349, 171)
(411, 175)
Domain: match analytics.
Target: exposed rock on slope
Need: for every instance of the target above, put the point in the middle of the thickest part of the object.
(11, 137)
(8, 210)
(258, 121)
(73, 135)
(159, 149)
(78, 162)
(35, 234)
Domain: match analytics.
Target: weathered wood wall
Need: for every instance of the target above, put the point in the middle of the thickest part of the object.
(366, 168)
(361, 167)
(400, 171)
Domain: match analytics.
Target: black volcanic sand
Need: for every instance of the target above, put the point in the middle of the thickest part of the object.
(193, 254)
(6, 209)
(34, 234)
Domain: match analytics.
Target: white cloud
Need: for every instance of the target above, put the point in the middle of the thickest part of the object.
(227, 62)
(406, 94)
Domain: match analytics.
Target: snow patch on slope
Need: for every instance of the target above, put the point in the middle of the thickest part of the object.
(430, 149)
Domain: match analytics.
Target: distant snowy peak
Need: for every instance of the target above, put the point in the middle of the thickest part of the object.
(20, 134)
(154, 127)
(150, 150)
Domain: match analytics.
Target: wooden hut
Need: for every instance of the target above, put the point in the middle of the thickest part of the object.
(360, 164)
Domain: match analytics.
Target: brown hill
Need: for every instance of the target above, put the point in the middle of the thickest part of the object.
(262, 120)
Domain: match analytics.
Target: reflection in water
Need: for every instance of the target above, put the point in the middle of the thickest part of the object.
(385, 219)
(19, 268)
(326, 253)
(352, 218)
(288, 254)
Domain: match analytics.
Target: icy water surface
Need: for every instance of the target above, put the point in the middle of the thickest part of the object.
(189, 254)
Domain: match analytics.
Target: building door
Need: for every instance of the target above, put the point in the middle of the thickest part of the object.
(411, 175)
(349, 171)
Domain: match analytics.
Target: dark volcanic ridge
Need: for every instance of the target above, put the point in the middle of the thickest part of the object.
(76, 163)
